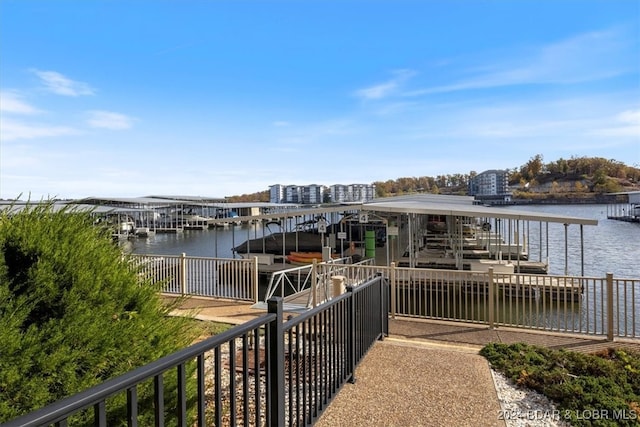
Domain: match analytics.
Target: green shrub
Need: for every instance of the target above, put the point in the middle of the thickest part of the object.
(72, 311)
(589, 389)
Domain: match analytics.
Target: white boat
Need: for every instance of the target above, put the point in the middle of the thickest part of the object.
(143, 232)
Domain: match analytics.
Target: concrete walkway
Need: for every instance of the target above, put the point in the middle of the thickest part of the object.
(404, 383)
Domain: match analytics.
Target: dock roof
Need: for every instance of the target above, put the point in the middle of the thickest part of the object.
(431, 204)
(434, 204)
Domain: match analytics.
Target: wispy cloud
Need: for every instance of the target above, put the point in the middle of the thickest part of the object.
(13, 105)
(11, 102)
(62, 85)
(15, 129)
(383, 90)
(109, 120)
(626, 123)
(585, 57)
(551, 123)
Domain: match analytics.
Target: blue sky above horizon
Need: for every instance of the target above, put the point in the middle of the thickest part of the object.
(220, 98)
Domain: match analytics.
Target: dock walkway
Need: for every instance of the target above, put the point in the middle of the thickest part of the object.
(425, 373)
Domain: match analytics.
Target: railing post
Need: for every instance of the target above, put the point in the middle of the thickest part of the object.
(183, 273)
(393, 289)
(492, 297)
(276, 363)
(314, 284)
(384, 309)
(338, 285)
(610, 313)
(255, 279)
(351, 335)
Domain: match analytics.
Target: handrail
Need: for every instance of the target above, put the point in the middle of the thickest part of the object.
(273, 362)
(280, 279)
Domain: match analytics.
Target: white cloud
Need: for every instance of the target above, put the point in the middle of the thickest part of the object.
(386, 89)
(12, 103)
(631, 116)
(11, 130)
(281, 123)
(61, 85)
(626, 123)
(109, 120)
(585, 57)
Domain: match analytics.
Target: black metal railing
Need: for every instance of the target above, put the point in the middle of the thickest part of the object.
(263, 372)
(325, 344)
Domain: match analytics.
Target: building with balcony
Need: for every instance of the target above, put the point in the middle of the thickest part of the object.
(491, 187)
(352, 193)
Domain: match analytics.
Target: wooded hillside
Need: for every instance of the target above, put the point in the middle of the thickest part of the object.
(577, 177)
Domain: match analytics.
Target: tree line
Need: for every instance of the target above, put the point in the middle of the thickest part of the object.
(585, 174)
(576, 174)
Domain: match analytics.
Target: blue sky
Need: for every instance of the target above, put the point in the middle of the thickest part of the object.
(218, 98)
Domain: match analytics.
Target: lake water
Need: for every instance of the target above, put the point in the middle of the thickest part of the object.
(610, 247)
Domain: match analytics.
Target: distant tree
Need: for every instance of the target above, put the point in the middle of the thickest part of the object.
(533, 167)
(262, 196)
(326, 196)
(73, 313)
(604, 184)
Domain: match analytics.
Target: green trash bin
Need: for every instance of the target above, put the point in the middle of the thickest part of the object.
(370, 244)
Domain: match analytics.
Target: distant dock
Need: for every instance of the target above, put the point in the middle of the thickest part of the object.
(628, 211)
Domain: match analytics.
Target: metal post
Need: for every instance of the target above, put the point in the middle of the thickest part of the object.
(610, 313)
(547, 243)
(393, 290)
(410, 231)
(284, 242)
(276, 363)
(540, 241)
(384, 310)
(492, 298)
(215, 240)
(566, 250)
(183, 273)
(518, 246)
(233, 238)
(255, 278)
(314, 284)
(341, 240)
(351, 336)
(386, 241)
(509, 239)
(582, 249)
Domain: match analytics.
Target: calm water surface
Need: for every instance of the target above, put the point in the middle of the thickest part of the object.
(610, 247)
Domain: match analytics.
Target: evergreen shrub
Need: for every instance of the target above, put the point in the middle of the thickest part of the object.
(73, 313)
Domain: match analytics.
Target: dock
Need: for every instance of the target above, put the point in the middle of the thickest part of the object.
(627, 210)
(442, 263)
